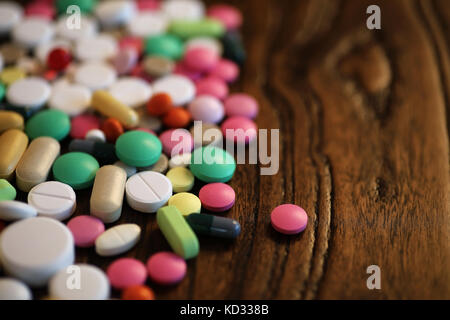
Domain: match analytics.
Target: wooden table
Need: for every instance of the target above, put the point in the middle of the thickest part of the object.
(364, 148)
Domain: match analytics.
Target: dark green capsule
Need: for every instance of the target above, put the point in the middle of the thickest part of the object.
(105, 153)
(233, 49)
(213, 225)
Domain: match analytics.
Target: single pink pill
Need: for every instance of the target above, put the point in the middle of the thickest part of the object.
(40, 9)
(230, 16)
(131, 42)
(81, 124)
(217, 197)
(226, 70)
(241, 104)
(166, 268)
(213, 86)
(180, 139)
(85, 229)
(289, 219)
(182, 69)
(239, 129)
(126, 272)
(201, 59)
(148, 5)
(206, 108)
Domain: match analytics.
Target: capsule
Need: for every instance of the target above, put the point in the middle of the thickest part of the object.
(215, 226)
(177, 232)
(10, 120)
(107, 193)
(13, 144)
(106, 104)
(105, 153)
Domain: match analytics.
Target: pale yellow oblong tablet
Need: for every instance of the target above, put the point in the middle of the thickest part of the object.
(13, 144)
(107, 193)
(36, 162)
(10, 120)
(106, 104)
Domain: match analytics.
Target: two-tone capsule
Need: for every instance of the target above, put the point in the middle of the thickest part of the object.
(104, 152)
(215, 226)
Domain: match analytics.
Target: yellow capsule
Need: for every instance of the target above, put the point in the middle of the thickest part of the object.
(106, 104)
(36, 162)
(13, 144)
(10, 120)
(11, 74)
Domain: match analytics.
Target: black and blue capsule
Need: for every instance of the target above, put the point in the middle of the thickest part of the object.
(214, 226)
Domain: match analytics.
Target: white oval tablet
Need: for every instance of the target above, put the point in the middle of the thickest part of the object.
(12, 289)
(180, 160)
(73, 99)
(115, 13)
(10, 15)
(53, 199)
(147, 191)
(206, 108)
(93, 283)
(95, 75)
(43, 49)
(33, 31)
(98, 48)
(184, 9)
(34, 249)
(66, 30)
(131, 91)
(11, 210)
(128, 169)
(204, 42)
(30, 92)
(118, 239)
(146, 24)
(180, 88)
(96, 135)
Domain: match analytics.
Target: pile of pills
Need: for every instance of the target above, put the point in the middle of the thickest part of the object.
(106, 101)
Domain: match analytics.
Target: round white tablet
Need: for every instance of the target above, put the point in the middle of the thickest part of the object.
(95, 75)
(204, 42)
(79, 282)
(184, 9)
(96, 135)
(98, 48)
(180, 160)
(11, 210)
(33, 31)
(147, 191)
(147, 23)
(34, 249)
(10, 15)
(73, 99)
(180, 88)
(12, 289)
(53, 199)
(206, 108)
(115, 13)
(66, 29)
(30, 92)
(118, 239)
(43, 49)
(131, 91)
(128, 169)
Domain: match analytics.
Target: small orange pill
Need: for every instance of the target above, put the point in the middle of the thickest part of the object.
(177, 118)
(112, 129)
(159, 104)
(138, 292)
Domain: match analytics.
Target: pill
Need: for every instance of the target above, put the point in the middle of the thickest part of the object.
(118, 239)
(226, 70)
(64, 29)
(104, 153)
(204, 42)
(212, 86)
(107, 193)
(36, 162)
(106, 104)
(125, 60)
(191, 10)
(72, 99)
(130, 42)
(97, 48)
(11, 210)
(188, 29)
(12, 289)
(159, 104)
(176, 141)
(177, 118)
(181, 178)
(182, 69)
(48, 123)
(164, 45)
(206, 108)
(186, 203)
(138, 292)
(53, 199)
(58, 59)
(160, 166)
(206, 134)
(212, 164)
(146, 24)
(138, 148)
(42, 51)
(214, 226)
(7, 191)
(76, 169)
(30, 92)
(95, 75)
(34, 249)
(11, 74)
(233, 48)
(180, 160)
(93, 284)
(157, 66)
(239, 129)
(177, 231)
(112, 129)
(129, 170)
(131, 91)
(32, 31)
(147, 191)
(11, 14)
(10, 120)
(115, 13)
(241, 104)
(289, 219)
(166, 268)
(85, 230)
(230, 17)
(217, 197)
(126, 272)
(201, 59)
(180, 88)
(81, 124)
(95, 134)
(13, 143)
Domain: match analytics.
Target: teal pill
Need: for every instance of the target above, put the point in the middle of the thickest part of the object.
(138, 148)
(7, 191)
(48, 123)
(86, 6)
(76, 169)
(2, 91)
(165, 45)
(212, 164)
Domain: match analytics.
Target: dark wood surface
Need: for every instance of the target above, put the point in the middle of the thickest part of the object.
(363, 117)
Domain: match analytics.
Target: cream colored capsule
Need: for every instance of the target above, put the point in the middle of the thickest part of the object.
(36, 162)
(13, 144)
(106, 104)
(107, 193)
(10, 120)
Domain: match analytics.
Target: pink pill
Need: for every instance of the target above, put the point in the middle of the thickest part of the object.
(201, 59)
(206, 108)
(213, 86)
(228, 15)
(81, 124)
(241, 104)
(40, 9)
(226, 70)
(166, 268)
(239, 129)
(131, 42)
(217, 197)
(176, 141)
(148, 5)
(85, 229)
(182, 69)
(126, 272)
(289, 219)
(125, 60)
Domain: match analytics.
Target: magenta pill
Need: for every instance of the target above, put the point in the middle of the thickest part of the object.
(217, 197)
(241, 104)
(213, 86)
(182, 69)
(148, 5)
(166, 268)
(40, 9)
(85, 229)
(206, 108)
(239, 129)
(131, 42)
(226, 70)
(289, 219)
(230, 17)
(201, 59)
(126, 272)
(80, 125)
(180, 139)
